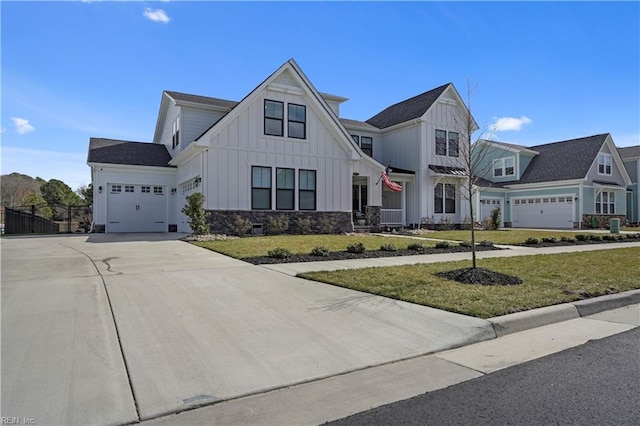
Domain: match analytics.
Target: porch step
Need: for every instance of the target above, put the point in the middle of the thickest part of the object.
(361, 229)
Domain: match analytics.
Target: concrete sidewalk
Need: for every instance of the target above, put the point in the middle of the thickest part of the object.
(510, 251)
(341, 396)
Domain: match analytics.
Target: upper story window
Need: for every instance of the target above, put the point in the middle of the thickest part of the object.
(441, 142)
(365, 143)
(604, 164)
(273, 118)
(447, 145)
(297, 121)
(175, 133)
(504, 167)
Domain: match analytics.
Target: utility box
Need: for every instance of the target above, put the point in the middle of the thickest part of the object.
(614, 226)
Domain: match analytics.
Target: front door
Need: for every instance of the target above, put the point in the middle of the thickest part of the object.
(359, 198)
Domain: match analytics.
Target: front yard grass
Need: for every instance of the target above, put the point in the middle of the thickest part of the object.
(241, 248)
(511, 236)
(547, 280)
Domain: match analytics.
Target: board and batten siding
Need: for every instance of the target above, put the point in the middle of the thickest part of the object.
(242, 144)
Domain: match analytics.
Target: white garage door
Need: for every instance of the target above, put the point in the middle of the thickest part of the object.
(488, 205)
(136, 208)
(542, 212)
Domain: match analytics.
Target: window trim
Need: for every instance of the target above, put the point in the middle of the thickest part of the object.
(502, 166)
(607, 161)
(270, 188)
(610, 204)
(304, 123)
(291, 190)
(314, 191)
(266, 117)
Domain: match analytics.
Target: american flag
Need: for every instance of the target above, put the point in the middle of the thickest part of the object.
(387, 182)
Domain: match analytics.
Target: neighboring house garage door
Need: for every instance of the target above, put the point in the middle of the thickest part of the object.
(136, 208)
(542, 212)
(488, 205)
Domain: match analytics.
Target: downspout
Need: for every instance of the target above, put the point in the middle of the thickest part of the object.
(580, 201)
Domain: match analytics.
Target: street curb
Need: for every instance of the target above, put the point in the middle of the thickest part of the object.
(520, 321)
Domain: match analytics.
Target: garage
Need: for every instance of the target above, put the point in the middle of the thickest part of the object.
(542, 212)
(136, 208)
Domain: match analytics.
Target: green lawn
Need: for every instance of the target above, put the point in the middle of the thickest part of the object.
(511, 236)
(302, 244)
(547, 280)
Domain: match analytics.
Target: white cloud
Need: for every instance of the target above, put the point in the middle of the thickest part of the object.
(22, 125)
(157, 15)
(504, 124)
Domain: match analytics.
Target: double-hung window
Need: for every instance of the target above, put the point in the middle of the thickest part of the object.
(441, 142)
(260, 188)
(273, 118)
(444, 200)
(504, 167)
(366, 144)
(285, 185)
(454, 144)
(297, 121)
(307, 190)
(604, 164)
(605, 203)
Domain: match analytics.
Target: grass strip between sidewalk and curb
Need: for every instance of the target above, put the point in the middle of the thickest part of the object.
(547, 280)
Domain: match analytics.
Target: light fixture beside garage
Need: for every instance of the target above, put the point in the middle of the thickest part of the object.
(173, 190)
(197, 181)
(100, 189)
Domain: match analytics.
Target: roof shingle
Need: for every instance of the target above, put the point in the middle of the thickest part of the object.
(112, 151)
(408, 109)
(201, 99)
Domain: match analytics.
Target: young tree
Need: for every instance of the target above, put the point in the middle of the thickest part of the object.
(194, 209)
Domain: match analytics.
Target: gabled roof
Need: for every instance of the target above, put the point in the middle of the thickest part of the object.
(564, 160)
(112, 151)
(629, 152)
(510, 146)
(408, 109)
(204, 100)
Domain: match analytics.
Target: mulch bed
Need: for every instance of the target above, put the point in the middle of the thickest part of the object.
(481, 276)
(343, 255)
(560, 243)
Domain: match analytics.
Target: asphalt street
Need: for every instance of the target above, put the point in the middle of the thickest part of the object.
(597, 383)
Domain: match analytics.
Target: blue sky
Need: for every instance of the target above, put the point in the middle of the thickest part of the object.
(544, 71)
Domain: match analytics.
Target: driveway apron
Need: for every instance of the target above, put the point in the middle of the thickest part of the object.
(197, 327)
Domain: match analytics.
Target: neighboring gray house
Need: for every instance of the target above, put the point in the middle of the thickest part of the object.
(631, 158)
(566, 184)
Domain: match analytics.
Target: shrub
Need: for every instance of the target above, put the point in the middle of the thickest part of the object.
(568, 239)
(531, 241)
(581, 237)
(277, 224)
(303, 225)
(549, 240)
(609, 237)
(320, 251)
(445, 223)
(388, 247)
(194, 210)
(486, 224)
(327, 225)
(356, 248)
(466, 244)
(240, 226)
(595, 237)
(279, 253)
(443, 245)
(485, 243)
(416, 247)
(495, 218)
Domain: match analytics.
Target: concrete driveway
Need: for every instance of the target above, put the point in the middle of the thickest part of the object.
(106, 329)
